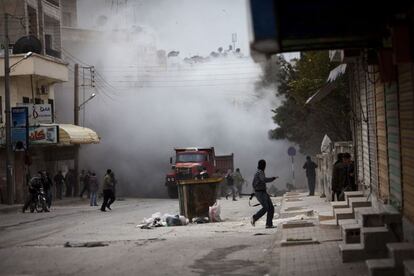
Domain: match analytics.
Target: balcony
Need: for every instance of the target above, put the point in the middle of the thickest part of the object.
(48, 68)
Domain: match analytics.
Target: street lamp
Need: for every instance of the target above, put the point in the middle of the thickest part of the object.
(90, 98)
(9, 150)
(26, 56)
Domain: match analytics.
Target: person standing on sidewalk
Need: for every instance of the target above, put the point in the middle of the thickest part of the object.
(338, 179)
(230, 185)
(259, 186)
(84, 181)
(108, 191)
(310, 167)
(238, 181)
(93, 187)
(47, 187)
(59, 181)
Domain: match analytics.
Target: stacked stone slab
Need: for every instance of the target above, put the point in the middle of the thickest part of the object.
(366, 236)
(399, 255)
(409, 268)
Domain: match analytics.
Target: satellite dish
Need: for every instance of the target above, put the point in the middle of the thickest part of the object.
(26, 44)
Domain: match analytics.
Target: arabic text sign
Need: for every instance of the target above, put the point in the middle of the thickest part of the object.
(44, 135)
(39, 113)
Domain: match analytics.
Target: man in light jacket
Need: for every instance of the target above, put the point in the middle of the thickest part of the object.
(108, 191)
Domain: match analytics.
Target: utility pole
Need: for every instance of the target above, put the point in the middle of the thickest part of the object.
(76, 96)
(9, 150)
(76, 122)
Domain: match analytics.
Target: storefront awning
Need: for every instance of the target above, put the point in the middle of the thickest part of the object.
(329, 86)
(76, 135)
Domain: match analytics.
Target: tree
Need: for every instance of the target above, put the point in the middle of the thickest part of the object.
(294, 82)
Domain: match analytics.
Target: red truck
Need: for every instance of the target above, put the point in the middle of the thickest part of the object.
(195, 163)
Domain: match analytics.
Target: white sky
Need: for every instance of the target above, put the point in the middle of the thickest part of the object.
(189, 26)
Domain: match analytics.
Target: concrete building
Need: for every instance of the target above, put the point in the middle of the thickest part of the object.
(32, 84)
(378, 59)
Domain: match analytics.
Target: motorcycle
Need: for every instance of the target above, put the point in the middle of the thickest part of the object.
(39, 201)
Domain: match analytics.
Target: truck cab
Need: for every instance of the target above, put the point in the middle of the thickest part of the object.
(195, 163)
(190, 163)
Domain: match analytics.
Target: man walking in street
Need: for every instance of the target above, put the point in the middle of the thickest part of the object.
(230, 185)
(70, 180)
(238, 181)
(47, 187)
(84, 181)
(259, 186)
(93, 187)
(310, 167)
(59, 181)
(108, 191)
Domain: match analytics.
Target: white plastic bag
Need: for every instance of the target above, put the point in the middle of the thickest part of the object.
(214, 212)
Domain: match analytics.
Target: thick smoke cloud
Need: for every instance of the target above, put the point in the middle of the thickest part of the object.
(149, 104)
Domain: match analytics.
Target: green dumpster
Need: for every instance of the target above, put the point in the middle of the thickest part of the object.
(195, 196)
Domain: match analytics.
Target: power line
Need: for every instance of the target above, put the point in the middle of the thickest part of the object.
(184, 80)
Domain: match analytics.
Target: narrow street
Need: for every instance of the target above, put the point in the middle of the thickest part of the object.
(33, 244)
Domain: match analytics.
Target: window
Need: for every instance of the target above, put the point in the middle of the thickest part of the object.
(66, 19)
(38, 101)
(32, 15)
(183, 158)
(1, 110)
(52, 108)
(26, 100)
(48, 41)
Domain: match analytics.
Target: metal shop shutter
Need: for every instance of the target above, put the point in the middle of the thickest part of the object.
(383, 181)
(356, 107)
(406, 100)
(365, 134)
(372, 132)
(393, 141)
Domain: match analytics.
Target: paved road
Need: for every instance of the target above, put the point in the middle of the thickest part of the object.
(33, 244)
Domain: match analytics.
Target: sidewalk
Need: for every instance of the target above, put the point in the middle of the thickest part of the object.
(5, 209)
(320, 258)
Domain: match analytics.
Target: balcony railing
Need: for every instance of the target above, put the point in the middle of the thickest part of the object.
(53, 53)
(53, 2)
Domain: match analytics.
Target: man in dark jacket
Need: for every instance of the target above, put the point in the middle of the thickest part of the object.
(310, 167)
(338, 177)
(59, 181)
(259, 186)
(108, 190)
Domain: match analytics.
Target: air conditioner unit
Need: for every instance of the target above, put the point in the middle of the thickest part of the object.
(43, 90)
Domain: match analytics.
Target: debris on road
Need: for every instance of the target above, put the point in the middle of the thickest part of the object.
(199, 220)
(85, 244)
(158, 220)
(214, 212)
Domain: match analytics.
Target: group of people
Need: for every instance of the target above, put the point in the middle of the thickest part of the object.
(343, 176)
(64, 185)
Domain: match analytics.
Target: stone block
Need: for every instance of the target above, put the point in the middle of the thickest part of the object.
(358, 202)
(352, 252)
(351, 233)
(400, 252)
(339, 204)
(343, 213)
(376, 238)
(350, 194)
(409, 268)
(381, 267)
